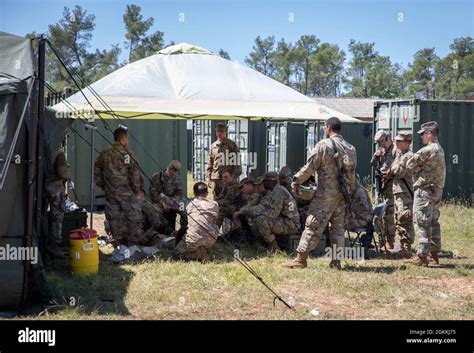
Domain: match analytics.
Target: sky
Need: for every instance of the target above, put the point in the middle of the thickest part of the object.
(399, 27)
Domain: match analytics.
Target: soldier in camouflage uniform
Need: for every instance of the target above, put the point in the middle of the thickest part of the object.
(248, 198)
(277, 215)
(362, 212)
(229, 199)
(285, 178)
(202, 232)
(403, 192)
(223, 154)
(55, 192)
(117, 173)
(166, 192)
(429, 170)
(328, 207)
(383, 159)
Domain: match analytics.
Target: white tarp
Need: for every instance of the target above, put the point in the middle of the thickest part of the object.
(190, 82)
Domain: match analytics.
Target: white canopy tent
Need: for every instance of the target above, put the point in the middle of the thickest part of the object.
(185, 81)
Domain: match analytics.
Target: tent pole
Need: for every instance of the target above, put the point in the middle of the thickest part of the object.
(92, 128)
(39, 150)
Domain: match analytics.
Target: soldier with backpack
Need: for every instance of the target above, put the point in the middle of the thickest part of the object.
(334, 160)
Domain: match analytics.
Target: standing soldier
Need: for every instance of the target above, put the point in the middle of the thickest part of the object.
(403, 192)
(223, 154)
(382, 161)
(116, 172)
(55, 191)
(166, 191)
(328, 206)
(429, 169)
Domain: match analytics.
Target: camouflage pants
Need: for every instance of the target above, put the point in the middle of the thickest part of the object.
(125, 219)
(404, 217)
(322, 212)
(269, 227)
(190, 244)
(389, 216)
(426, 214)
(56, 197)
(217, 186)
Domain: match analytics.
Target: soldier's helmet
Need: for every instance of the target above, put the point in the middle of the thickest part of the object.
(285, 174)
(175, 165)
(270, 176)
(428, 127)
(404, 136)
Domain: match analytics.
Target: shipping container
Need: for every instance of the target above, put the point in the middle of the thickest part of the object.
(162, 141)
(286, 144)
(248, 135)
(456, 124)
(359, 135)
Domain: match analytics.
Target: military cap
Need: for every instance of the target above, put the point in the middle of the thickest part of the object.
(427, 127)
(221, 126)
(248, 180)
(404, 136)
(259, 180)
(380, 136)
(174, 164)
(285, 172)
(270, 176)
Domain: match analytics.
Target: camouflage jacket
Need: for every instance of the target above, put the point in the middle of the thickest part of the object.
(386, 161)
(433, 168)
(400, 174)
(322, 162)
(250, 200)
(221, 156)
(170, 186)
(277, 203)
(116, 172)
(230, 197)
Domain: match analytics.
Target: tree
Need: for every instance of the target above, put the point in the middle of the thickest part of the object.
(328, 63)
(284, 62)
(71, 36)
(224, 54)
(421, 73)
(454, 74)
(304, 51)
(139, 44)
(262, 56)
(369, 74)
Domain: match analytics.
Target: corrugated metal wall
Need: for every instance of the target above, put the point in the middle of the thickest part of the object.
(456, 123)
(164, 140)
(359, 135)
(249, 136)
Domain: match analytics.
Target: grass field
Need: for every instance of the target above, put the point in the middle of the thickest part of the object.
(223, 289)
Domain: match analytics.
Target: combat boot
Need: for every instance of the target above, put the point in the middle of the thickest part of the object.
(335, 264)
(389, 245)
(418, 261)
(55, 251)
(405, 252)
(274, 247)
(433, 257)
(202, 255)
(300, 261)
